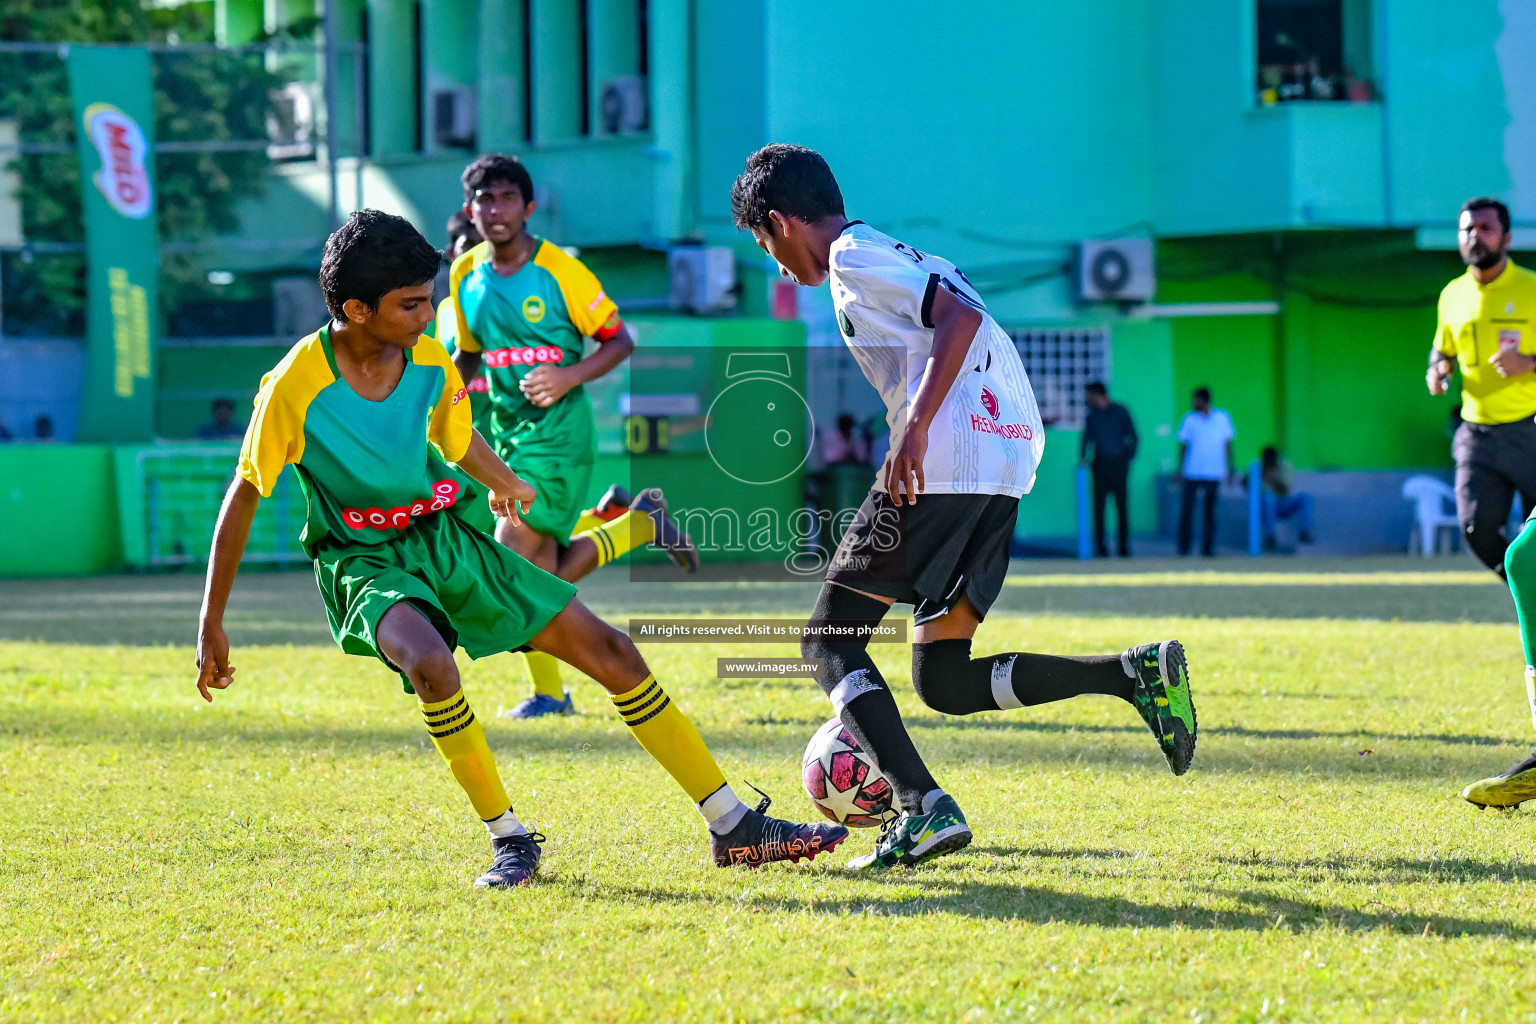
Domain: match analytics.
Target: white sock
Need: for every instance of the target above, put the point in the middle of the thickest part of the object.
(930, 798)
(1530, 689)
(722, 810)
(506, 825)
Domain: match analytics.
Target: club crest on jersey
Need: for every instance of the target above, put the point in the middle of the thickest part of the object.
(533, 309)
(1509, 337)
(989, 402)
(123, 179)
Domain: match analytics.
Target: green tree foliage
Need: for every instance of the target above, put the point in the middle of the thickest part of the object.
(199, 96)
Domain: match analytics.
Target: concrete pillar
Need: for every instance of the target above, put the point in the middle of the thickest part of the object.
(556, 70)
(671, 64)
(392, 76)
(449, 53)
(500, 61)
(614, 36)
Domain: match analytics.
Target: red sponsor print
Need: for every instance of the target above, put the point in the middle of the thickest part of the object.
(479, 386)
(459, 396)
(1008, 430)
(504, 357)
(444, 493)
(989, 402)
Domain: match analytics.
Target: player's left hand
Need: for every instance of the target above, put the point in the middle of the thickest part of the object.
(506, 500)
(213, 667)
(906, 466)
(546, 385)
(1511, 362)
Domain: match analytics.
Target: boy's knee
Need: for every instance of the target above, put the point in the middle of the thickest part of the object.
(434, 675)
(943, 676)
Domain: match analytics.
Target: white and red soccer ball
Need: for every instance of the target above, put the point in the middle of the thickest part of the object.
(842, 780)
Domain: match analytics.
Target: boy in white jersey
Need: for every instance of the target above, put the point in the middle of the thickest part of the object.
(966, 436)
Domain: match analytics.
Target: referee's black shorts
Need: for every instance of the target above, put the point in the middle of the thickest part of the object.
(929, 554)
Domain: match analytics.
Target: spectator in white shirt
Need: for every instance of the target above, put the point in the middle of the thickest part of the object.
(1205, 459)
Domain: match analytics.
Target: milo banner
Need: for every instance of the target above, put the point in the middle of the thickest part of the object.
(114, 115)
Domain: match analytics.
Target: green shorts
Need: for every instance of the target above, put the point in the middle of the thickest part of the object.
(479, 595)
(560, 486)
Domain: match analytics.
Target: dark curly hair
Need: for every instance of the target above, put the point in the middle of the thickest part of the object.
(791, 179)
(1488, 203)
(497, 167)
(371, 255)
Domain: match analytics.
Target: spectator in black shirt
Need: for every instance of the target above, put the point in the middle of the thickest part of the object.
(1112, 436)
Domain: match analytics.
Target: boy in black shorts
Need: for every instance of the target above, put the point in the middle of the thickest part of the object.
(966, 435)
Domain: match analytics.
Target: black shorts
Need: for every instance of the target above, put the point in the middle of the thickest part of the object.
(929, 554)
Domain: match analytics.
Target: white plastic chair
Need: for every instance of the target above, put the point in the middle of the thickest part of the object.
(1431, 497)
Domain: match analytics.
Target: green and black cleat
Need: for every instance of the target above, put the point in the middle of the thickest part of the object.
(914, 838)
(1162, 698)
(1507, 791)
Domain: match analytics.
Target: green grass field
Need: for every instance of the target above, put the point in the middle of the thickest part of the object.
(297, 851)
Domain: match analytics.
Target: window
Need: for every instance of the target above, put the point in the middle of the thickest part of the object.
(1313, 50)
(1060, 364)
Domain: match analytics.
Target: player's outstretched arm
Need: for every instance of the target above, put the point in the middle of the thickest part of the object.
(508, 490)
(954, 328)
(546, 385)
(229, 539)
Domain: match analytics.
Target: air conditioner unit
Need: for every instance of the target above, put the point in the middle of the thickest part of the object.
(291, 122)
(703, 278)
(621, 105)
(1116, 270)
(453, 117)
(298, 306)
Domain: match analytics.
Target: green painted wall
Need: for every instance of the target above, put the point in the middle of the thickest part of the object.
(47, 485)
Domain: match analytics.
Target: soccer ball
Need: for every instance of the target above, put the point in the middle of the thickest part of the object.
(842, 780)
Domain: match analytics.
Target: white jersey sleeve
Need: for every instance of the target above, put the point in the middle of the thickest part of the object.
(986, 437)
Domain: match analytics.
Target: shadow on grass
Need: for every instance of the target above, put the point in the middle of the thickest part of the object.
(1260, 911)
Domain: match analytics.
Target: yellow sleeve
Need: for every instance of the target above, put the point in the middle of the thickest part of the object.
(589, 306)
(453, 424)
(462, 336)
(445, 327)
(275, 436)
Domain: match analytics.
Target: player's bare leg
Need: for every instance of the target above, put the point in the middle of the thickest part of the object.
(738, 835)
(416, 648)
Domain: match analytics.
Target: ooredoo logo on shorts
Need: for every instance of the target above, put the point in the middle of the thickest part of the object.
(123, 179)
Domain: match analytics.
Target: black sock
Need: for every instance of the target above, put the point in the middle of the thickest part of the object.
(863, 702)
(950, 681)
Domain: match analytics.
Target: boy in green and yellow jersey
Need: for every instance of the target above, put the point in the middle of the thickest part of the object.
(399, 486)
(523, 309)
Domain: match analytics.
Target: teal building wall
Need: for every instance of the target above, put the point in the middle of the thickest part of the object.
(1000, 137)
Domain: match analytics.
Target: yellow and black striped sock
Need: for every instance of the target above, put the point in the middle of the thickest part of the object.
(459, 738)
(588, 520)
(544, 670)
(621, 536)
(667, 735)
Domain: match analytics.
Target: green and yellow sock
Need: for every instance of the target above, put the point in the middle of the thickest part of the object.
(667, 735)
(544, 670)
(621, 536)
(459, 738)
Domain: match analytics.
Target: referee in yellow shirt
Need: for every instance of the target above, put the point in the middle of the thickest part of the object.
(1487, 329)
